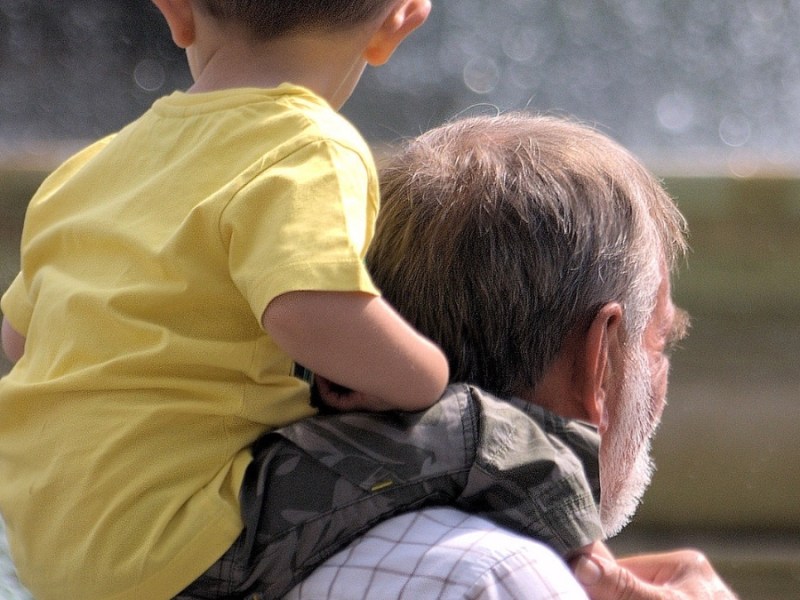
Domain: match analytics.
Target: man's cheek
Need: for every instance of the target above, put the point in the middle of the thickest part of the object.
(659, 391)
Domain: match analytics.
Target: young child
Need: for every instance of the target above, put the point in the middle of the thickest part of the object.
(173, 275)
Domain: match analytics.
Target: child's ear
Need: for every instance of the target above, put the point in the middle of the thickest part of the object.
(403, 18)
(180, 19)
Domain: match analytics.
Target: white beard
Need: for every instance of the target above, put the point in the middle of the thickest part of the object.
(626, 466)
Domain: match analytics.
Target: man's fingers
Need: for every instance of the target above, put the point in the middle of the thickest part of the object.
(680, 575)
(668, 567)
(605, 580)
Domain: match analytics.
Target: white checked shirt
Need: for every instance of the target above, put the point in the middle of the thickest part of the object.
(444, 554)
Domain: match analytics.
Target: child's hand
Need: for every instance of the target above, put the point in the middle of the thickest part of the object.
(342, 399)
(13, 342)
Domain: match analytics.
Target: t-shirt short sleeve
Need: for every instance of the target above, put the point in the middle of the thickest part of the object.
(303, 223)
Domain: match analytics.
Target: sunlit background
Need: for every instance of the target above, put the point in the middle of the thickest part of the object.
(707, 92)
(678, 79)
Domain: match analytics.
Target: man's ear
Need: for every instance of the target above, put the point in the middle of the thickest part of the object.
(575, 385)
(403, 18)
(180, 18)
(599, 363)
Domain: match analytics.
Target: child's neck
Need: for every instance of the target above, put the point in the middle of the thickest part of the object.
(329, 64)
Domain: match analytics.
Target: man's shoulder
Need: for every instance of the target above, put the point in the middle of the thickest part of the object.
(443, 553)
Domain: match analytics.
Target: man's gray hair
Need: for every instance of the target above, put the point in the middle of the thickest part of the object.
(500, 235)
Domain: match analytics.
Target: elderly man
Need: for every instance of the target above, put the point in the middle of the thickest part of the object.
(537, 253)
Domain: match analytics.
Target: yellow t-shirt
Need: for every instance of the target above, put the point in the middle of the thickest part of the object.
(147, 262)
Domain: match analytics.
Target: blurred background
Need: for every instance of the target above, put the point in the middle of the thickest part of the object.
(706, 92)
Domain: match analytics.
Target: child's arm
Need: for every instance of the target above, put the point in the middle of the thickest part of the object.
(13, 342)
(359, 341)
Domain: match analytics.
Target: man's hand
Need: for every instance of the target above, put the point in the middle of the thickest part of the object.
(680, 575)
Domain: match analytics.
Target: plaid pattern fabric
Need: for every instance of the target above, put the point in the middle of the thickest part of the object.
(318, 484)
(441, 554)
